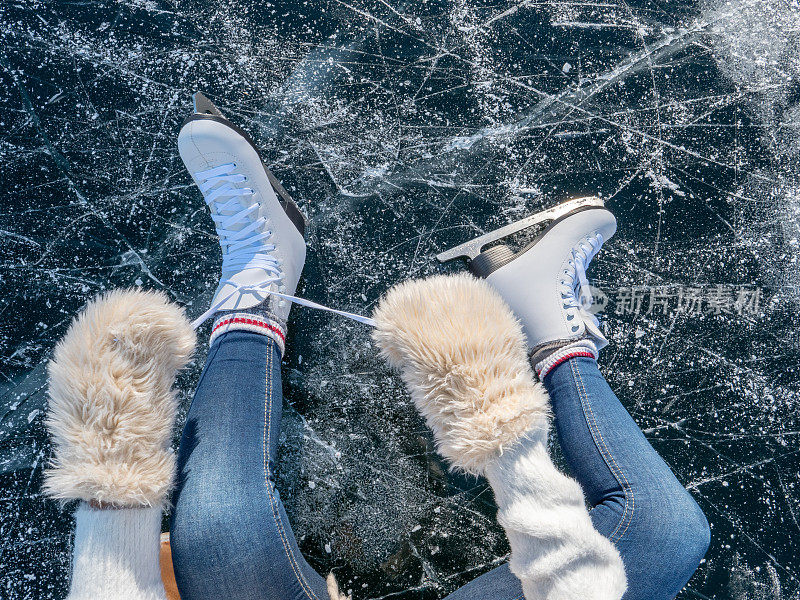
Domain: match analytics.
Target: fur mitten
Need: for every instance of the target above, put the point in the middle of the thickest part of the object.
(462, 354)
(111, 414)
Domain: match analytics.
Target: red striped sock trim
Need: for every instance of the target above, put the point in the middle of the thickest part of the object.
(252, 323)
(542, 373)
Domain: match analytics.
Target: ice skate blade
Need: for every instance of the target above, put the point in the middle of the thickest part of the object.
(474, 247)
(205, 109)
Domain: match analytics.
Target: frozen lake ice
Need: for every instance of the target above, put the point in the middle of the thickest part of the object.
(402, 129)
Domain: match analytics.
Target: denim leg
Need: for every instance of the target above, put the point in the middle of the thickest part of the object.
(230, 535)
(497, 584)
(637, 502)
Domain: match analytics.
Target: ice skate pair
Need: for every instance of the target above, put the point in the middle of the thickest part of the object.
(261, 234)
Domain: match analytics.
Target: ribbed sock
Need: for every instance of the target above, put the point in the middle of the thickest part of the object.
(547, 361)
(116, 554)
(555, 550)
(258, 319)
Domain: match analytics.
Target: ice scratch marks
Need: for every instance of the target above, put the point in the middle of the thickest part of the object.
(756, 45)
(403, 128)
(19, 238)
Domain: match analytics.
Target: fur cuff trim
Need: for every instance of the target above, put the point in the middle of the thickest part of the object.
(333, 589)
(112, 409)
(463, 356)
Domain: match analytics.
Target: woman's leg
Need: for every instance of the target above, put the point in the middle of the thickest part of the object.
(637, 502)
(229, 533)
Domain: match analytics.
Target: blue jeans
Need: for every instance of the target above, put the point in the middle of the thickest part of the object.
(231, 537)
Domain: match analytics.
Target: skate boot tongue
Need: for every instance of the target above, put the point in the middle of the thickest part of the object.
(243, 234)
(249, 267)
(250, 270)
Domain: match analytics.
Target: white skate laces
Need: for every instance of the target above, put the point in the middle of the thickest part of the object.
(240, 236)
(244, 240)
(574, 279)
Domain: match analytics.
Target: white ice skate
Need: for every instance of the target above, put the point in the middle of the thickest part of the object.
(260, 231)
(545, 282)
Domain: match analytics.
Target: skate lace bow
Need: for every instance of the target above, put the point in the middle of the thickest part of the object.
(582, 255)
(244, 240)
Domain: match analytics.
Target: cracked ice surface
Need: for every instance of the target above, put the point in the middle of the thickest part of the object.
(404, 128)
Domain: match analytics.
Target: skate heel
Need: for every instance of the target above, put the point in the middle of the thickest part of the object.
(490, 260)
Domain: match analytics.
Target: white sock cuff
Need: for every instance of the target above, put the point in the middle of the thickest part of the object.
(242, 321)
(116, 554)
(584, 347)
(555, 550)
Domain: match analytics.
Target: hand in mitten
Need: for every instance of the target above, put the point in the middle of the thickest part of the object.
(462, 354)
(111, 414)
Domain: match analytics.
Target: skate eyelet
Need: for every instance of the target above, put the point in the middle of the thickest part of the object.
(575, 328)
(570, 317)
